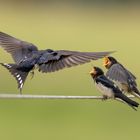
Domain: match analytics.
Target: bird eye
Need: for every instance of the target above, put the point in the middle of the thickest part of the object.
(55, 53)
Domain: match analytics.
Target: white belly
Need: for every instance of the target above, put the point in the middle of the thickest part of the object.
(105, 91)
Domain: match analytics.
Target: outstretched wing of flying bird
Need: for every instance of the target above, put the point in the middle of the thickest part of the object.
(17, 48)
(64, 59)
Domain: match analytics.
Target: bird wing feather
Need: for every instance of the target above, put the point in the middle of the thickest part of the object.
(64, 59)
(119, 74)
(17, 48)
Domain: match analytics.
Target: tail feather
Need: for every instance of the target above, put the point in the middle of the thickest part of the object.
(136, 92)
(20, 76)
(133, 86)
(130, 102)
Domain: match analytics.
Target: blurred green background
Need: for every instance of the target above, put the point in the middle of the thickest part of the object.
(72, 25)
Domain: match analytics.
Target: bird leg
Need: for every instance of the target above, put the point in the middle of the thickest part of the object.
(32, 74)
(32, 71)
(104, 98)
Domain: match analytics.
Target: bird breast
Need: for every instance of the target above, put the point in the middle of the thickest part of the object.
(105, 90)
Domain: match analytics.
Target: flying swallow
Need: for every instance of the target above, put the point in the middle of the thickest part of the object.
(27, 57)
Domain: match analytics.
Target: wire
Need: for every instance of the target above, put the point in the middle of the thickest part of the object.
(18, 96)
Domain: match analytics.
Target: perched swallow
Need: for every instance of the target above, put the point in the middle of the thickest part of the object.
(123, 78)
(27, 56)
(108, 88)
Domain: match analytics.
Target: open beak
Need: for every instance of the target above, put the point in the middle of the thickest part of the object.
(105, 61)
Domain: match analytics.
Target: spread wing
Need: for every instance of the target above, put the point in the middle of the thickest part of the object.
(64, 59)
(17, 48)
(118, 73)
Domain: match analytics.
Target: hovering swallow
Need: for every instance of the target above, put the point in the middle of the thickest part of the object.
(108, 88)
(123, 78)
(27, 57)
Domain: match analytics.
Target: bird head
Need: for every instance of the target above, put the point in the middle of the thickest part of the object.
(96, 71)
(109, 61)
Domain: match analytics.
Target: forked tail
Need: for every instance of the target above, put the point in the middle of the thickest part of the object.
(19, 75)
(129, 101)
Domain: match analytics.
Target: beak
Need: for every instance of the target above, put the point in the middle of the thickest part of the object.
(105, 61)
(92, 72)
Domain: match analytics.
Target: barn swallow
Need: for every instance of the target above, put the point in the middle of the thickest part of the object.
(108, 88)
(27, 57)
(123, 78)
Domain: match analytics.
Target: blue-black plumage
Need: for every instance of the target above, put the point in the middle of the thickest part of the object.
(125, 80)
(27, 57)
(108, 88)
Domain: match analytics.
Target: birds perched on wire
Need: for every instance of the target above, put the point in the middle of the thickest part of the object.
(27, 57)
(109, 89)
(122, 77)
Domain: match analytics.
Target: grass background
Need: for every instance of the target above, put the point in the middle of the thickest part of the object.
(71, 26)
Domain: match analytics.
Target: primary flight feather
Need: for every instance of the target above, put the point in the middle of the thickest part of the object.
(27, 56)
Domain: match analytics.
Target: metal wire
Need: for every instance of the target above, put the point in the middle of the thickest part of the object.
(17, 96)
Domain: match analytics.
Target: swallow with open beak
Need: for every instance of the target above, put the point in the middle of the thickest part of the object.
(27, 56)
(123, 78)
(109, 89)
